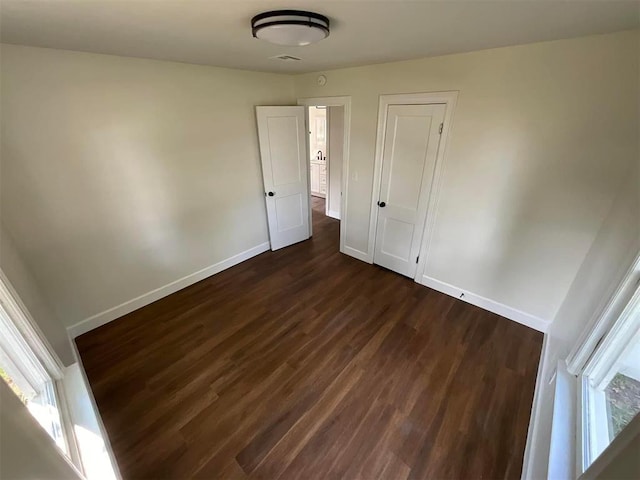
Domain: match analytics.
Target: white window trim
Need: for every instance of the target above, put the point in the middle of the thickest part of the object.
(603, 318)
(26, 325)
(601, 368)
(35, 375)
(594, 357)
(19, 322)
(602, 364)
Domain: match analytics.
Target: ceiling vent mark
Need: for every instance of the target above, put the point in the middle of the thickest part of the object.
(285, 58)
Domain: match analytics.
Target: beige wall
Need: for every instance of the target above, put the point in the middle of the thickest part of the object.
(121, 175)
(29, 292)
(26, 451)
(541, 137)
(610, 256)
(620, 460)
(626, 465)
(608, 259)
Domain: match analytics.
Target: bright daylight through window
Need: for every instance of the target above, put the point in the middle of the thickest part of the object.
(28, 375)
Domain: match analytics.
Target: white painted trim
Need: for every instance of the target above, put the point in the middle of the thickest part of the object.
(129, 306)
(69, 433)
(436, 186)
(94, 406)
(447, 98)
(42, 359)
(327, 165)
(603, 364)
(562, 443)
(604, 317)
(22, 361)
(582, 411)
(28, 327)
(501, 309)
(333, 214)
(532, 447)
(346, 103)
(307, 140)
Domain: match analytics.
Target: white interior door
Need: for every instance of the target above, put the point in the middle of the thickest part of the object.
(283, 151)
(410, 148)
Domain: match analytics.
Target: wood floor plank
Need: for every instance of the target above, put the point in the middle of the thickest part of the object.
(306, 363)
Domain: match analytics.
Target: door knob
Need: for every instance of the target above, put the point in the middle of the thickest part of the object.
(382, 204)
(271, 194)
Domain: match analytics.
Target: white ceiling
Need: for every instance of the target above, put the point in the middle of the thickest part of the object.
(217, 32)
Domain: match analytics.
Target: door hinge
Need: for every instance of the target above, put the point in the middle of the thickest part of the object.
(417, 258)
(441, 127)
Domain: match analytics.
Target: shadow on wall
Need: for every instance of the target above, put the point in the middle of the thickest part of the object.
(556, 193)
(146, 220)
(140, 172)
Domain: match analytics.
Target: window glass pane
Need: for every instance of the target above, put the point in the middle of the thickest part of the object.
(40, 400)
(623, 391)
(13, 385)
(14, 377)
(44, 409)
(27, 366)
(614, 391)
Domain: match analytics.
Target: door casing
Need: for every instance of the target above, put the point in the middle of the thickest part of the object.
(346, 103)
(449, 98)
(403, 216)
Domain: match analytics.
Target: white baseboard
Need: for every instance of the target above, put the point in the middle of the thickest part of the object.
(333, 214)
(359, 254)
(129, 306)
(503, 310)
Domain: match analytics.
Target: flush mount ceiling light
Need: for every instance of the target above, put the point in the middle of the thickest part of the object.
(294, 28)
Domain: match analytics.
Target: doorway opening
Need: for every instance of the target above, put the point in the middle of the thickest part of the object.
(326, 152)
(318, 156)
(328, 121)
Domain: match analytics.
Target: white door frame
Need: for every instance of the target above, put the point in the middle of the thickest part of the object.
(335, 102)
(449, 99)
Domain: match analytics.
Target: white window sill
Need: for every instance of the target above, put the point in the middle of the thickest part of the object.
(93, 449)
(562, 448)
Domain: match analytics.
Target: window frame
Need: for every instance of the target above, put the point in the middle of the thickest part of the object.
(22, 334)
(594, 358)
(27, 327)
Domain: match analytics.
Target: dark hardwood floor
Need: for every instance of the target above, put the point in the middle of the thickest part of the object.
(308, 364)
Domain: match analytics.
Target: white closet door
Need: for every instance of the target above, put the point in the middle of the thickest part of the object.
(283, 151)
(410, 147)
